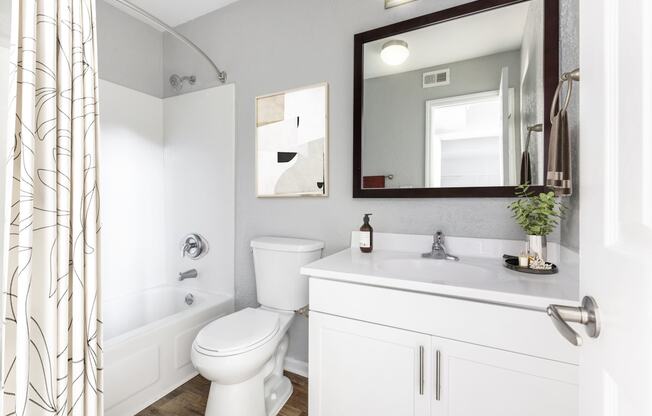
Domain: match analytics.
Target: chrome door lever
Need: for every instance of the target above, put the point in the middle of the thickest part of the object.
(587, 314)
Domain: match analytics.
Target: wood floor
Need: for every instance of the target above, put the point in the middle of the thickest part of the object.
(190, 399)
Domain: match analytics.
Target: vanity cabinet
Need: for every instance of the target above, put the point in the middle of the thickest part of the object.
(368, 369)
(378, 351)
(477, 380)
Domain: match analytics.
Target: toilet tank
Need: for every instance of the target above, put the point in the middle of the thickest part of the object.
(277, 261)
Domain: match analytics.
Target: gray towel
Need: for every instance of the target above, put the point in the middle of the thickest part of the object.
(558, 177)
(526, 171)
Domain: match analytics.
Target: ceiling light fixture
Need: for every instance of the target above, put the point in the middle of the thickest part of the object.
(395, 52)
(393, 3)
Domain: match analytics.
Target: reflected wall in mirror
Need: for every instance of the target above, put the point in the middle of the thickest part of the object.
(457, 106)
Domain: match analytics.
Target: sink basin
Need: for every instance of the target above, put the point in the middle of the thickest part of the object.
(434, 271)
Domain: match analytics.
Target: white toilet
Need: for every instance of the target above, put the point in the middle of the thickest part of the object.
(242, 354)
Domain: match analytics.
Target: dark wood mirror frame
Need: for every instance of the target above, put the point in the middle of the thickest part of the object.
(550, 77)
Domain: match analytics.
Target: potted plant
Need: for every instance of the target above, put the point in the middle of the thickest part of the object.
(538, 215)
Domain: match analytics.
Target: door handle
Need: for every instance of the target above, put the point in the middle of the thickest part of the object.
(587, 314)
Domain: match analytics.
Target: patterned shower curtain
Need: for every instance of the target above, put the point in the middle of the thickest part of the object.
(52, 355)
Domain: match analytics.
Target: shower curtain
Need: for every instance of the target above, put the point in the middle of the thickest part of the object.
(52, 356)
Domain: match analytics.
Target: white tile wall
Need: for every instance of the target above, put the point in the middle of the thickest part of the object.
(200, 181)
(167, 169)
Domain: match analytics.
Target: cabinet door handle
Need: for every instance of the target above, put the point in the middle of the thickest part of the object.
(438, 375)
(421, 369)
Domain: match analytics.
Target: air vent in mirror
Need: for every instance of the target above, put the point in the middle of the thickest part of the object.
(436, 78)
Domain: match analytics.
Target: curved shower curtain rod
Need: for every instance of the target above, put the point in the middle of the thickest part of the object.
(221, 75)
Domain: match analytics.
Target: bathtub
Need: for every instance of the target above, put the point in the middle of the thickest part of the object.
(147, 342)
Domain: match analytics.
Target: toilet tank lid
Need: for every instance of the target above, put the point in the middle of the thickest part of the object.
(296, 245)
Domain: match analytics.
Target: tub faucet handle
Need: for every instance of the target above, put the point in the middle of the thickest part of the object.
(193, 246)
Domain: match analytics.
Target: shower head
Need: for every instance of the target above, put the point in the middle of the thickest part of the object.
(535, 127)
(177, 81)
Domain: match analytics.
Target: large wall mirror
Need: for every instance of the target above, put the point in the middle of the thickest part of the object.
(455, 103)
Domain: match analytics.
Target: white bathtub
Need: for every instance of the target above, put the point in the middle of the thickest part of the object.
(147, 341)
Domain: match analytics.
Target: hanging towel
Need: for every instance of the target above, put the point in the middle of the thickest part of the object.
(558, 177)
(526, 169)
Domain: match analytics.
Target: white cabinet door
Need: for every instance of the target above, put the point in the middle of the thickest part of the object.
(476, 380)
(358, 368)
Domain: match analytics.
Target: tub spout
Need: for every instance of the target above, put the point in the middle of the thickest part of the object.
(190, 274)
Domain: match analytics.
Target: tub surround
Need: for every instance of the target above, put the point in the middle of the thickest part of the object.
(462, 338)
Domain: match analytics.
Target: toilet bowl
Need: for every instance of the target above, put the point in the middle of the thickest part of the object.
(242, 354)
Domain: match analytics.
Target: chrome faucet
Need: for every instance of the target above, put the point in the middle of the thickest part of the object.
(190, 274)
(187, 246)
(439, 250)
(193, 246)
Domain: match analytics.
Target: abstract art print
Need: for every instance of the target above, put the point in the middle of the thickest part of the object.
(292, 143)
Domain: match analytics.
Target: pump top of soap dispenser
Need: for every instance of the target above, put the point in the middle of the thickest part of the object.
(366, 218)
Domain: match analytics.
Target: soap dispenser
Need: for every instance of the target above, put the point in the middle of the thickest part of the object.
(366, 236)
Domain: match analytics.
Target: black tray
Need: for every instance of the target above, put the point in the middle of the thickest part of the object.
(511, 263)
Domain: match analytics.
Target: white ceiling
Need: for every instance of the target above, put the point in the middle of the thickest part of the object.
(482, 34)
(175, 12)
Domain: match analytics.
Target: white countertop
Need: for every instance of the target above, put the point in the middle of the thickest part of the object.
(494, 283)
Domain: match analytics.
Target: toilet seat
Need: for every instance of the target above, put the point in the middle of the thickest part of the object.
(237, 333)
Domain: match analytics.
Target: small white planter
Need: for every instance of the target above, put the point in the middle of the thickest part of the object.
(537, 244)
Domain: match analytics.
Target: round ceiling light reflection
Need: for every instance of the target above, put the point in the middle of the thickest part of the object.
(395, 52)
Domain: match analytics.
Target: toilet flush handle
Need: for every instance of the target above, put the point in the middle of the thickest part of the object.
(305, 311)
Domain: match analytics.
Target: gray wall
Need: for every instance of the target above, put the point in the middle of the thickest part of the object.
(272, 46)
(395, 116)
(130, 52)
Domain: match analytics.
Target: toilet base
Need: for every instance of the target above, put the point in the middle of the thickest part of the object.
(265, 394)
(238, 400)
(277, 392)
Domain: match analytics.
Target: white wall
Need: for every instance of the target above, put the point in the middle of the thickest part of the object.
(132, 190)
(5, 22)
(200, 181)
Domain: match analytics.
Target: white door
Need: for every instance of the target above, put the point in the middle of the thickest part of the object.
(472, 380)
(357, 368)
(616, 204)
(503, 143)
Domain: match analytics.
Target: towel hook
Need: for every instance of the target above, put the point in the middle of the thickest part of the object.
(568, 77)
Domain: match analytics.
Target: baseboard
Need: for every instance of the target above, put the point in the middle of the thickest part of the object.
(297, 367)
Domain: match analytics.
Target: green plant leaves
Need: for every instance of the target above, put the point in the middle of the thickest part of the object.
(537, 214)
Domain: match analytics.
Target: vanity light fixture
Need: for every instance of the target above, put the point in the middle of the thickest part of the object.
(393, 3)
(395, 52)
